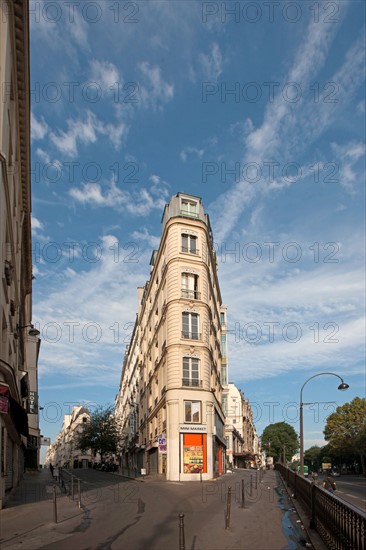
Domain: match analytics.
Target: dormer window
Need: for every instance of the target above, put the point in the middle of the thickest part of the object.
(189, 208)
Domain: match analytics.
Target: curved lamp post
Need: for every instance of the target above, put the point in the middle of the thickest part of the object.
(342, 386)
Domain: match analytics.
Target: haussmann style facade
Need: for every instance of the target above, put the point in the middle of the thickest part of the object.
(169, 401)
(19, 343)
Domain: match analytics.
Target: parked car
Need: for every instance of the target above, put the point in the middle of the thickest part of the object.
(335, 474)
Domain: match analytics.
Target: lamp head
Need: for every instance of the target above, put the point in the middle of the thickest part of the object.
(343, 386)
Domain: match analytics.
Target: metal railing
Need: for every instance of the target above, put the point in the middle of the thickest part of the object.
(190, 250)
(192, 382)
(191, 335)
(340, 525)
(191, 294)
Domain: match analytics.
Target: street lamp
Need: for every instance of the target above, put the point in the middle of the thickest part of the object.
(342, 386)
(32, 331)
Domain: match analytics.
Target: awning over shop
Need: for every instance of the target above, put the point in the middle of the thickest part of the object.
(247, 456)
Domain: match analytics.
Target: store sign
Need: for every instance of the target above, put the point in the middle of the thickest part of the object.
(32, 402)
(162, 444)
(4, 399)
(193, 428)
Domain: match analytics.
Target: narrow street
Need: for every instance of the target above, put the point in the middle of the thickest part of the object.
(120, 513)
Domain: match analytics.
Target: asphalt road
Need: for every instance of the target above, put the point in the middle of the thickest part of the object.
(352, 489)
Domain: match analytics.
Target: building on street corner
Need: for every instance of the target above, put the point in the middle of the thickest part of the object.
(169, 401)
(19, 344)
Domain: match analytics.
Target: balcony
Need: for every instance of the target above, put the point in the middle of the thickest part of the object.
(191, 335)
(190, 250)
(190, 294)
(189, 214)
(191, 383)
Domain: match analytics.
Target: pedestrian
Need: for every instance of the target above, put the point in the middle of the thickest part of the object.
(329, 484)
(51, 468)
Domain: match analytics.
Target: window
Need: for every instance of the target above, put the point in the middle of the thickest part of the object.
(188, 208)
(190, 325)
(224, 373)
(189, 243)
(192, 411)
(191, 372)
(224, 403)
(190, 286)
(223, 345)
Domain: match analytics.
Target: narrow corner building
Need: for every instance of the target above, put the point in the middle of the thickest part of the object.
(173, 372)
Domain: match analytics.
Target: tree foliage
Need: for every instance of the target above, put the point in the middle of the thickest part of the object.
(346, 429)
(101, 433)
(280, 437)
(313, 456)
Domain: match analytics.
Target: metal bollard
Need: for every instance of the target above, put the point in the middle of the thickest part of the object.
(251, 485)
(182, 542)
(79, 491)
(72, 487)
(242, 494)
(256, 479)
(54, 505)
(228, 506)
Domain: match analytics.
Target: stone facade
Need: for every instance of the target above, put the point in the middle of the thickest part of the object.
(171, 383)
(19, 345)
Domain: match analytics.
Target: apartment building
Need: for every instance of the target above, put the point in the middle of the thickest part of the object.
(64, 452)
(127, 407)
(19, 346)
(241, 436)
(175, 386)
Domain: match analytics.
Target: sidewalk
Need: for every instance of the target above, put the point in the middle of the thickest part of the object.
(268, 521)
(29, 510)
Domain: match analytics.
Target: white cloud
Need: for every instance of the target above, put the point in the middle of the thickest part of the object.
(211, 63)
(105, 73)
(145, 236)
(278, 137)
(39, 128)
(139, 203)
(85, 132)
(186, 151)
(36, 224)
(157, 91)
(43, 155)
(347, 156)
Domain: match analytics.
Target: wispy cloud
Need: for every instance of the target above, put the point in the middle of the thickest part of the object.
(105, 73)
(348, 155)
(156, 91)
(85, 131)
(139, 203)
(211, 63)
(39, 128)
(278, 136)
(191, 151)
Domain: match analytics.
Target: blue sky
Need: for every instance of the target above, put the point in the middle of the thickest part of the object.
(261, 113)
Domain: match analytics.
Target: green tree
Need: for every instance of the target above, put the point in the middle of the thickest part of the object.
(346, 429)
(280, 438)
(312, 457)
(100, 434)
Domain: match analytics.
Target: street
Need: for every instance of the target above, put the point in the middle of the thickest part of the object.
(352, 489)
(120, 513)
